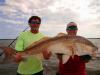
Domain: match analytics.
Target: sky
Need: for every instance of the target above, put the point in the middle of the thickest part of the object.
(55, 15)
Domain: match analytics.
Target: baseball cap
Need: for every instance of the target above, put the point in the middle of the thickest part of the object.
(71, 26)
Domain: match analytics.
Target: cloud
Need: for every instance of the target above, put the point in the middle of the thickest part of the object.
(27, 7)
(9, 30)
(95, 5)
(55, 14)
(97, 26)
(11, 21)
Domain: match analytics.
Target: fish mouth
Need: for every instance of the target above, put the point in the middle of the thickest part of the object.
(1, 52)
(2, 55)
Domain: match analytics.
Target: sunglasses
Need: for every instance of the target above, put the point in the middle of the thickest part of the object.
(72, 28)
(35, 22)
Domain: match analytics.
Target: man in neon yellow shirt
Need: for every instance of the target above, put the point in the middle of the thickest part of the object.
(33, 64)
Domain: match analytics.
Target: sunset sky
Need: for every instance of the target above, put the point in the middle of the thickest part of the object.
(55, 15)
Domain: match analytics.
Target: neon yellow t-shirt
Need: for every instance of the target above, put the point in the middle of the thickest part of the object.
(32, 65)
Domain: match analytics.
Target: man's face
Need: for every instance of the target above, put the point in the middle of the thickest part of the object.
(72, 32)
(34, 25)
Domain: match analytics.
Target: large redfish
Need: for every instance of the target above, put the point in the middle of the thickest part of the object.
(58, 44)
(61, 44)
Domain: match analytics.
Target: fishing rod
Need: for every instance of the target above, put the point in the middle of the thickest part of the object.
(2, 53)
(17, 37)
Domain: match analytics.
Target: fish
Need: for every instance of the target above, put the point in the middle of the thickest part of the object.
(61, 44)
(57, 45)
(66, 45)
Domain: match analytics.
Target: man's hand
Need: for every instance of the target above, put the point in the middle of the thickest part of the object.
(18, 57)
(59, 56)
(86, 58)
(46, 54)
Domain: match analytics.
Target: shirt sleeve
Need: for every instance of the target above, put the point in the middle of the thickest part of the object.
(19, 43)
